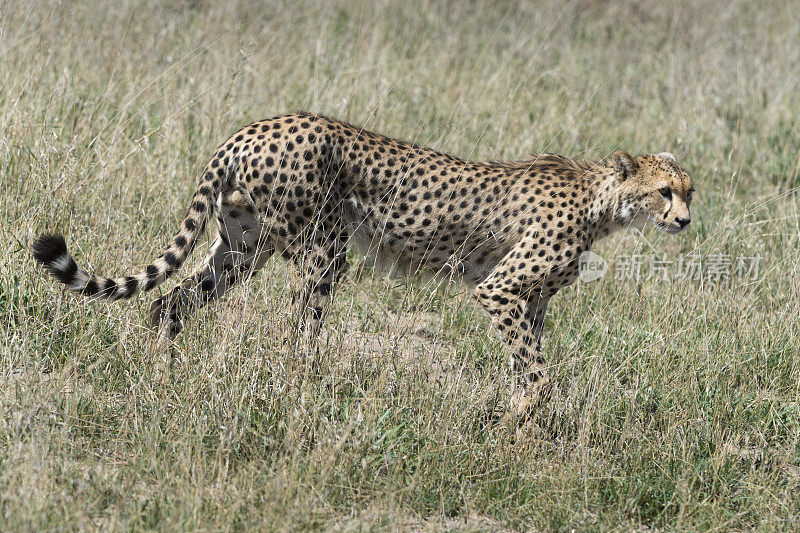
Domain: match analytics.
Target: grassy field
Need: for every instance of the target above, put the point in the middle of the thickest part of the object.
(677, 399)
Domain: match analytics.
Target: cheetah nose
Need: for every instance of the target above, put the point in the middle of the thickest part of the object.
(683, 222)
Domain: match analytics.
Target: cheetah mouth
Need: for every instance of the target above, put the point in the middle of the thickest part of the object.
(673, 229)
(667, 228)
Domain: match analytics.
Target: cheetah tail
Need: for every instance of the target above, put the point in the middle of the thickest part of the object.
(51, 251)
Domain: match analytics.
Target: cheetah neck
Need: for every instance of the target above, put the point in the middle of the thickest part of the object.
(613, 211)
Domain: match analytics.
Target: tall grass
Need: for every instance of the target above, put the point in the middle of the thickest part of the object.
(677, 400)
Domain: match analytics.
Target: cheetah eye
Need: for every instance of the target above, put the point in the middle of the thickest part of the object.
(689, 194)
(666, 192)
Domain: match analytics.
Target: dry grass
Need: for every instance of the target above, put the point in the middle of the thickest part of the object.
(677, 404)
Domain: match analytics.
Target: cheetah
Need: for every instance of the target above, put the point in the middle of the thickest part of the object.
(308, 187)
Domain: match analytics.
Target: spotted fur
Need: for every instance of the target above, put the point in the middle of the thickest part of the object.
(308, 186)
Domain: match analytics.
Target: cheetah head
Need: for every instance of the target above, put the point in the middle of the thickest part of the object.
(653, 187)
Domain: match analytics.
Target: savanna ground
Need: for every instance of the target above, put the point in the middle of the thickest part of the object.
(677, 400)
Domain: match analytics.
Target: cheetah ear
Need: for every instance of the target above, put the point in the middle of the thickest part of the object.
(669, 156)
(625, 164)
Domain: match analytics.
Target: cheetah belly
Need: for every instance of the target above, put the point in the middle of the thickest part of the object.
(441, 252)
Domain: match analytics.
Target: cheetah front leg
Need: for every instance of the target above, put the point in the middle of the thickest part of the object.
(520, 323)
(518, 311)
(532, 380)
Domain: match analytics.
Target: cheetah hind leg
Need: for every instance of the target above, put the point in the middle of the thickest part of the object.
(236, 254)
(321, 267)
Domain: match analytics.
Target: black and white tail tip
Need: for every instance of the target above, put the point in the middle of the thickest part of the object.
(51, 251)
